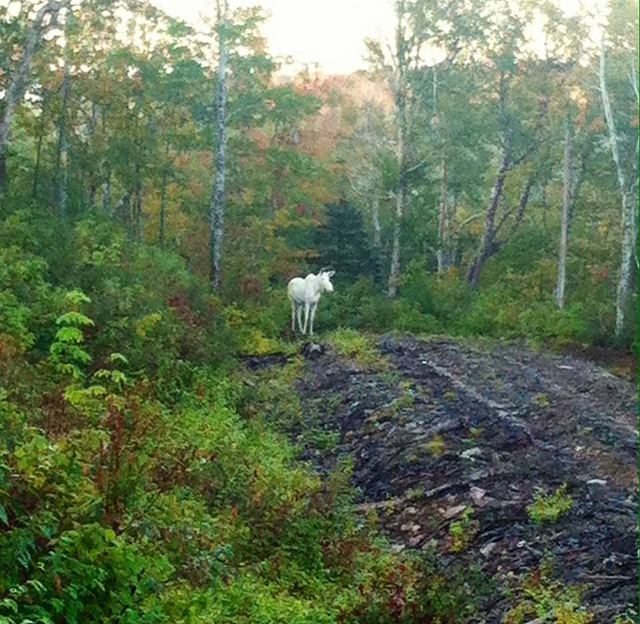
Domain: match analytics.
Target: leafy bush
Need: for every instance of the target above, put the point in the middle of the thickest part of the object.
(359, 347)
(550, 508)
(549, 599)
(409, 319)
(139, 481)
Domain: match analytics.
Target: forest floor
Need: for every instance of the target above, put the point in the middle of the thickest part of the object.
(452, 441)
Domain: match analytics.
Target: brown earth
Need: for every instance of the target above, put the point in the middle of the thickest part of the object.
(453, 426)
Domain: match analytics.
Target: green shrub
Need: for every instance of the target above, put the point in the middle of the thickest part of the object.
(352, 344)
(549, 599)
(409, 319)
(550, 508)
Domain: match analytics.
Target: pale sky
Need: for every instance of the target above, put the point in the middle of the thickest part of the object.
(328, 32)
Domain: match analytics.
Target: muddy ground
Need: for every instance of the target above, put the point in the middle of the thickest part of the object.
(453, 426)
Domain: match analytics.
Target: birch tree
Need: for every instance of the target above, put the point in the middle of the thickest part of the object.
(627, 209)
(566, 202)
(400, 92)
(21, 79)
(62, 156)
(369, 151)
(218, 198)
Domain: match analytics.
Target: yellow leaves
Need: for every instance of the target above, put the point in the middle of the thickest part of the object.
(604, 227)
(147, 323)
(234, 316)
(282, 219)
(477, 227)
(248, 196)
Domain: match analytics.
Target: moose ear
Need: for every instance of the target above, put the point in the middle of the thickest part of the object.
(331, 273)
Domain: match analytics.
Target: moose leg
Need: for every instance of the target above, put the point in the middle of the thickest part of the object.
(299, 313)
(314, 307)
(293, 316)
(307, 309)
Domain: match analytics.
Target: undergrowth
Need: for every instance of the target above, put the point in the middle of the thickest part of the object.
(541, 595)
(550, 508)
(144, 479)
(358, 347)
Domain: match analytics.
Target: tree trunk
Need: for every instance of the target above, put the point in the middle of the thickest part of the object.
(62, 158)
(19, 82)
(488, 238)
(106, 195)
(136, 196)
(41, 132)
(122, 210)
(137, 211)
(93, 124)
(401, 123)
(163, 209)
(442, 253)
(627, 208)
(564, 228)
(454, 237)
(218, 200)
(634, 185)
(522, 206)
(375, 218)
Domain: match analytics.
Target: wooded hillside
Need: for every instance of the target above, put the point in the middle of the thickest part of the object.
(160, 183)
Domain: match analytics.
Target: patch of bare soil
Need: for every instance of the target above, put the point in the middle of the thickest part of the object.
(454, 426)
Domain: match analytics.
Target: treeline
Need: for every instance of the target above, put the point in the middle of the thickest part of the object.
(492, 151)
(145, 163)
(511, 149)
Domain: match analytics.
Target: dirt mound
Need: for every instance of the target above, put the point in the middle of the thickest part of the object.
(455, 441)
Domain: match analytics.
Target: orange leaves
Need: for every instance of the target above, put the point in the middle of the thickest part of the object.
(598, 273)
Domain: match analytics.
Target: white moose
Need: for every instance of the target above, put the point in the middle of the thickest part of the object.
(306, 293)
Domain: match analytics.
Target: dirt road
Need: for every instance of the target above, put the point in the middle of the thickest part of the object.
(453, 442)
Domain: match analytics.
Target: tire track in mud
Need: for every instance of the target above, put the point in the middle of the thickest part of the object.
(453, 427)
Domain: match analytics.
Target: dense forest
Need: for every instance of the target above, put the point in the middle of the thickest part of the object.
(160, 183)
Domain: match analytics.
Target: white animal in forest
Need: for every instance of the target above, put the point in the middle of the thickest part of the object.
(305, 294)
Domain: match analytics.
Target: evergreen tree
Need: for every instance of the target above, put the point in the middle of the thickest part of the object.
(343, 243)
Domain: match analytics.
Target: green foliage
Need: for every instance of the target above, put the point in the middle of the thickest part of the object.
(67, 353)
(140, 482)
(436, 446)
(629, 617)
(343, 243)
(516, 306)
(542, 596)
(463, 531)
(550, 508)
(354, 345)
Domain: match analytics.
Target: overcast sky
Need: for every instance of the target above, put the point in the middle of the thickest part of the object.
(328, 32)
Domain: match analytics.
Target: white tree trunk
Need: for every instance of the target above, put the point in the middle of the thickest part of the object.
(20, 80)
(375, 218)
(400, 92)
(442, 254)
(564, 228)
(634, 185)
(218, 201)
(63, 144)
(627, 208)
